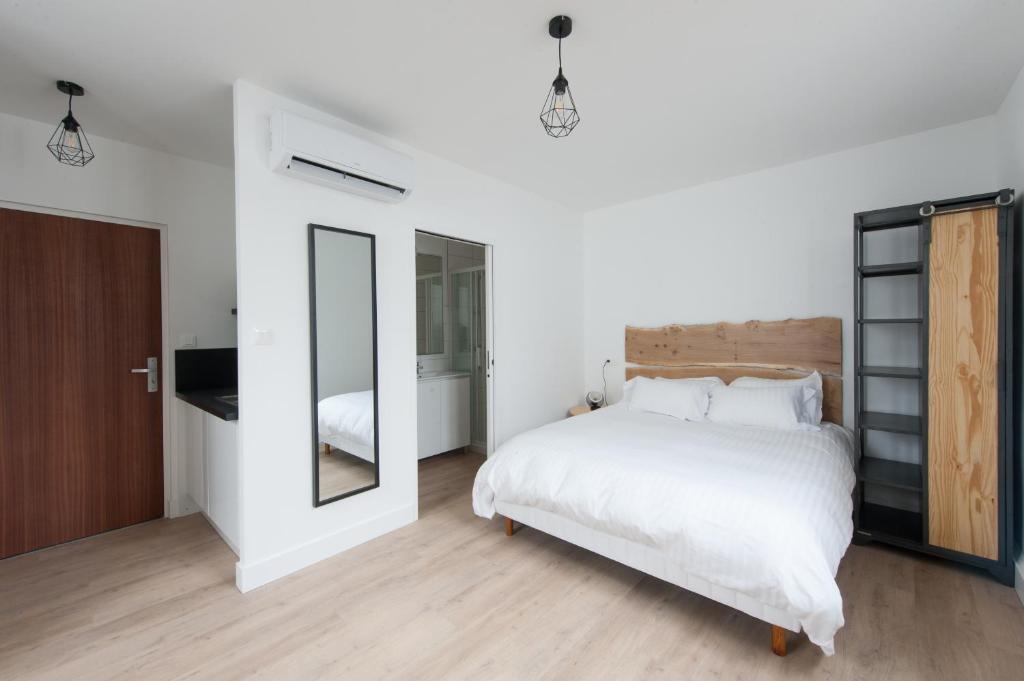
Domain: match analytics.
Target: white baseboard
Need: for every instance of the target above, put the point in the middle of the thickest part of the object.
(1018, 578)
(254, 575)
(185, 506)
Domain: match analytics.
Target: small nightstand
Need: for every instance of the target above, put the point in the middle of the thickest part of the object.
(579, 409)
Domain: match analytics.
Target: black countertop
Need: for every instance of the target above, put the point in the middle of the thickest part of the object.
(211, 401)
(204, 377)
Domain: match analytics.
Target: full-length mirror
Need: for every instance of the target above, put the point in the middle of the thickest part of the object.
(343, 340)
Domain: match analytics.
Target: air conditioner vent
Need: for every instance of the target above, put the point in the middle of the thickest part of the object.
(327, 156)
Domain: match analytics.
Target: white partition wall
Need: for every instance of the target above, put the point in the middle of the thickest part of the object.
(538, 331)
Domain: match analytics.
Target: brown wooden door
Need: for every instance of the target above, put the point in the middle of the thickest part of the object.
(81, 441)
(963, 354)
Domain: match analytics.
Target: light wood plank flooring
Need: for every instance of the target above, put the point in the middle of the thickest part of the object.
(450, 597)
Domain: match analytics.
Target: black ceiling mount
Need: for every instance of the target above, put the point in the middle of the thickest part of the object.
(70, 89)
(560, 26)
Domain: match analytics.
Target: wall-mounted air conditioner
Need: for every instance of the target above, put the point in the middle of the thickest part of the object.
(318, 153)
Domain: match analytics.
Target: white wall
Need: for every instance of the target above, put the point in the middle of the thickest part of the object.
(127, 182)
(538, 325)
(1010, 131)
(768, 245)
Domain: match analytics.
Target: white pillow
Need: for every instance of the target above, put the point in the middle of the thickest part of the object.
(766, 406)
(684, 400)
(627, 387)
(812, 407)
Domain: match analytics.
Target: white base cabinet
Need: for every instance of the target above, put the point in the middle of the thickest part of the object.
(212, 469)
(442, 416)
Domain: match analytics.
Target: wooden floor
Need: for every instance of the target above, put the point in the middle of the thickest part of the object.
(450, 597)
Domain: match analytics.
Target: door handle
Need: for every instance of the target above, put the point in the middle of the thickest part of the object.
(153, 380)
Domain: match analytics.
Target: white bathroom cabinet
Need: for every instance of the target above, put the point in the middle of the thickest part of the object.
(443, 416)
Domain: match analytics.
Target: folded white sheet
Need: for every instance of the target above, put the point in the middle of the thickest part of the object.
(762, 511)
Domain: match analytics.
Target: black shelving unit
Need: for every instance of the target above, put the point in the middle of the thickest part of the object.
(891, 496)
(894, 479)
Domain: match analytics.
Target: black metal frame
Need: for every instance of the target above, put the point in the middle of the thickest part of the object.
(313, 228)
(920, 215)
(556, 122)
(79, 154)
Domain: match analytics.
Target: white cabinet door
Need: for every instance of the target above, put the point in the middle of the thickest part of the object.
(221, 445)
(428, 417)
(195, 462)
(455, 414)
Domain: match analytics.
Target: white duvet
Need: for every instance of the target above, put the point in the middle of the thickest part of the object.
(761, 511)
(348, 416)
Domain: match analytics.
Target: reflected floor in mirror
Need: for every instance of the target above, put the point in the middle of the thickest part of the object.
(341, 472)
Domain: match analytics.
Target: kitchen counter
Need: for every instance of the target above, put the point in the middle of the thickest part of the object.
(211, 400)
(208, 380)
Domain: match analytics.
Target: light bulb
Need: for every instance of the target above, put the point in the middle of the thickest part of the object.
(559, 105)
(70, 140)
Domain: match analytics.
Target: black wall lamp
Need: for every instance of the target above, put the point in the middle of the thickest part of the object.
(559, 116)
(68, 144)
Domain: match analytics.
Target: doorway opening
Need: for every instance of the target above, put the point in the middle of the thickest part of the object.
(454, 347)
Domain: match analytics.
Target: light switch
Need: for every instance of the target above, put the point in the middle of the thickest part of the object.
(262, 337)
(187, 340)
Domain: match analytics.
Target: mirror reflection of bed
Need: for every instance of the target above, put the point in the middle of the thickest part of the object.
(345, 462)
(343, 337)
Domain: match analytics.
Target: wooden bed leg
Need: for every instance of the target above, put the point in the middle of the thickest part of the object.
(509, 528)
(778, 641)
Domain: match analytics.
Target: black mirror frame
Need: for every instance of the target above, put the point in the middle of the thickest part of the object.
(317, 502)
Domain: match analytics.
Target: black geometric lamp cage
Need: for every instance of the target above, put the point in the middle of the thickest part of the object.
(68, 144)
(559, 115)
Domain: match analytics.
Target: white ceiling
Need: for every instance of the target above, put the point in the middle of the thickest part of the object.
(671, 93)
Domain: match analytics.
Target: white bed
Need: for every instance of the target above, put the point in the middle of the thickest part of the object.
(754, 518)
(345, 422)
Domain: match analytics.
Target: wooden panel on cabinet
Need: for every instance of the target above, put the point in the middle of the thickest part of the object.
(963, 446)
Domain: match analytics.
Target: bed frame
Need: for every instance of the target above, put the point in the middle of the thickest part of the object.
(791, 348)
(343, 444)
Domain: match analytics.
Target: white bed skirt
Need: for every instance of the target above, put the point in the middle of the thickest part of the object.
(643, 558)
(364, 452)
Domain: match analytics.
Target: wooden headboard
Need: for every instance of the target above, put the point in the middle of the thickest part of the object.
(791, 348)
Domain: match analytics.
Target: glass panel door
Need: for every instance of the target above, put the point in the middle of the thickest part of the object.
(469, 343)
